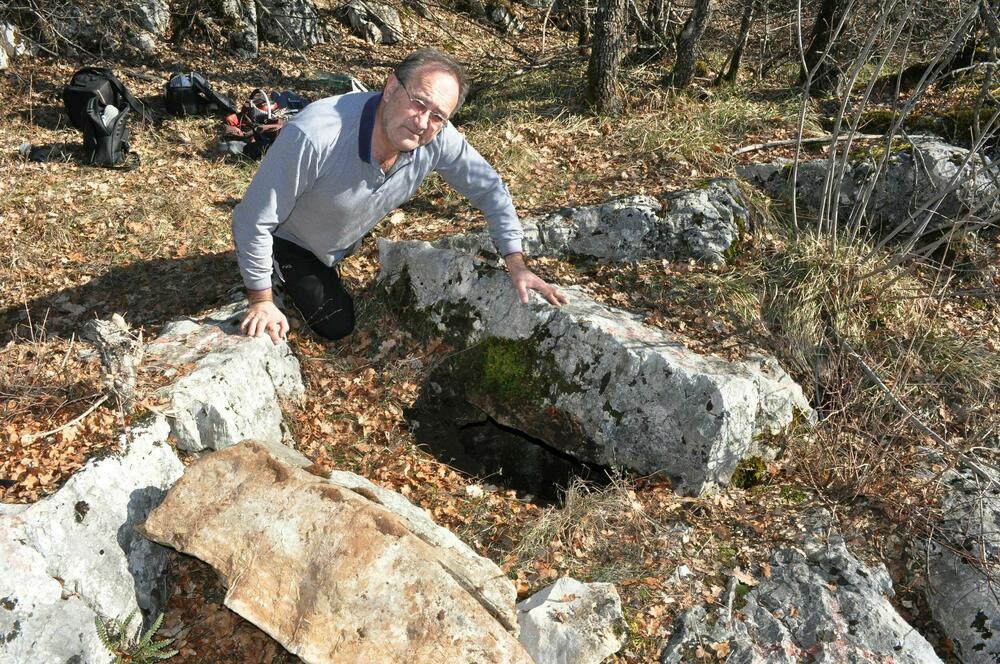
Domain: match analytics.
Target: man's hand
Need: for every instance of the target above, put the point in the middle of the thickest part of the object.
(263, 316)
(523, 279)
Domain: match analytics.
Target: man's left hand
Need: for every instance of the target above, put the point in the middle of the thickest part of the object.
(524, 279)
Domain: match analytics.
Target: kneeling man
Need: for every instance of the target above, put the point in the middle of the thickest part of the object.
(339, 167)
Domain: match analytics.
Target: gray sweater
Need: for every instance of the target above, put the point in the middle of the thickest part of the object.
(317, 187)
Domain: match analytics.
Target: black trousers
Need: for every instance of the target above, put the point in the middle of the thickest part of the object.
(315, 290)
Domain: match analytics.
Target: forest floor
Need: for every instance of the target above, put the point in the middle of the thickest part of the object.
(154, 244)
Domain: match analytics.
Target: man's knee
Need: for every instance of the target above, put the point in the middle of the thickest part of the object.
(337, 325)
(326, 308)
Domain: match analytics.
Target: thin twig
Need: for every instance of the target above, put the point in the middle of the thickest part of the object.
(76, 420)
(794, 141)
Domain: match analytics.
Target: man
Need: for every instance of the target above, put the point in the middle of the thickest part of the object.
(340, 166)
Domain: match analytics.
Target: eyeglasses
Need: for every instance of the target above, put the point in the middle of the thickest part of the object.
(435, 119)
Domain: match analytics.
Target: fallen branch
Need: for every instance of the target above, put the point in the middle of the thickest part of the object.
(30, 438)
(829, 138)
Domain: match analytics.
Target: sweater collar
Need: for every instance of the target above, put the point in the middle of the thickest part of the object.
(367, 127)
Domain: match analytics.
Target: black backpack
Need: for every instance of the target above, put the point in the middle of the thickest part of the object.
(101, 84)
(106, 136)
(190, 94)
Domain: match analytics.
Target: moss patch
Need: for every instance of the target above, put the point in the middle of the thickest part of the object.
(506, 367)
(749, 473)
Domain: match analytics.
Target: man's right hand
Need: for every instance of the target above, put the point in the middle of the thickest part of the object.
(263, 316)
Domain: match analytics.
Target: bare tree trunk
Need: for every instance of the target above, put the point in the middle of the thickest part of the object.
(583, 25)
(729, 76)
(688, 43)
(658, 20)
(606, 56)
(821, 53)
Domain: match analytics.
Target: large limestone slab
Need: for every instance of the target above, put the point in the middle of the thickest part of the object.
(75, 555)
(704, 223)
(330, 571)
(963, 561)
(588, 379)
(820, 604)
(232, 384)
(923, 186)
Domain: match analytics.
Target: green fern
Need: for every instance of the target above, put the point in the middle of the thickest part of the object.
(137, 649)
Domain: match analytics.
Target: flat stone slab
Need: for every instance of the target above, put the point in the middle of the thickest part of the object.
(820, 604)
(704, 223)
(330, 571)
(587, 379)
(923, 186)
(233, 383)
(75, 555)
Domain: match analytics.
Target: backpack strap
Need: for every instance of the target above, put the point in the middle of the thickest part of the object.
(136, 105)
(221, 100)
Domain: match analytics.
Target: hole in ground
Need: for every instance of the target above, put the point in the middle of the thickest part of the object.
(473, 442)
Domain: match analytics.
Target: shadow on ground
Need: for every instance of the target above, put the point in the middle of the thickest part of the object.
(147, 293)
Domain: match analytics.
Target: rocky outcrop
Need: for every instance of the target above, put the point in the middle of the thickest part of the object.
(293, 23)
(235, 385)
(573, 622)
(375, 22)
(145, 25)
(152, 22)
(12, 45)
(587, 379)
(924, 186)
(704, 223)
(963, 562)
(820, 604)
(75, 555)
(238, 22)
(329, 569)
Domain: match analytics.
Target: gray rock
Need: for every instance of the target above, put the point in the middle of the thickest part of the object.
(108, 28)
(587, 379)
(821, 604)
(963, 562)
(234, 388)
(924, 187)
(144, 41)
(121, 353)
(238, 20)
(420, 8)
(571, 621)
(75, 555)
(152, 16)
(12, 45)
(294, 23)
(375, 22)
(703, 223)
(504, 18)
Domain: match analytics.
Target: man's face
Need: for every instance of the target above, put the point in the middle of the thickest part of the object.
(412, 113)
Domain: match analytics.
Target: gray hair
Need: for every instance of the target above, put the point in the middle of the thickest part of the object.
(434, 59)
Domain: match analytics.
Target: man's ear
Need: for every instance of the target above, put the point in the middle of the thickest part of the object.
(390, 84)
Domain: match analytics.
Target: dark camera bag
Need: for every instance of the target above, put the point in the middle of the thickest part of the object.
(96, 83)
(190, 94)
